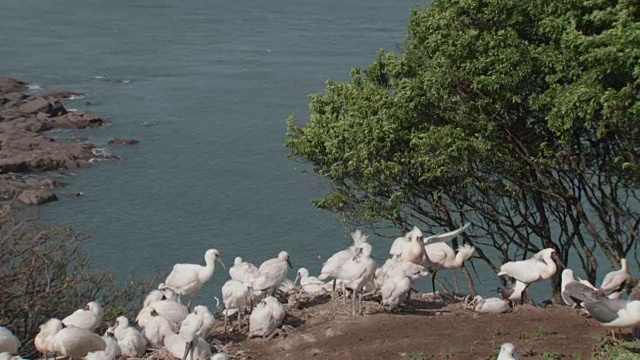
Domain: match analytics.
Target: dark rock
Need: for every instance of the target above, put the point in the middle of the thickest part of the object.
(76, 120)
(60, 95)
(123, 141)
(9, 85)
(36, 197)
(36, 105)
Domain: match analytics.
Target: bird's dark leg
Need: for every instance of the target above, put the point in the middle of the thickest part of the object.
(433, 282)
(353, 304)
(334, 288)
(226, 319)
(455, 282)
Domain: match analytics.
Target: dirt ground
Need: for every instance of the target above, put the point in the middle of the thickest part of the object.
(434, 328)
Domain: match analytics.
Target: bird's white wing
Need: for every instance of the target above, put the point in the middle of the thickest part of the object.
(614, 280)
(397, 247)
(351, 270)
(331, 267)
(182, 276)
(435, 253)
(586, 282)
(268, 264)
(526, 271)
(81, 318)
(446, 236)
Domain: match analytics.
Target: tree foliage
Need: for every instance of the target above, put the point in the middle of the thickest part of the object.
(44, 275)
(520, 116)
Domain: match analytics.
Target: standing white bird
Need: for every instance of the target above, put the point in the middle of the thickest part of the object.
(441, 256)
(131, 342)
(409, 247)
(310, 284)
(188, 279)
(243, 271)
(111, 351)
(356, 272)
(266, 317)
(331, 267)
(73, 341)
(490, 305)
(9, 343)
(508, 352)
(540, 267)
(614, 283)
(614, 313)
(154, 326)
(89, 318)
(272, 273)
(236, 295)
(574, 293)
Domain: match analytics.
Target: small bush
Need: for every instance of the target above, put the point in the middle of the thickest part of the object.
(44, 275)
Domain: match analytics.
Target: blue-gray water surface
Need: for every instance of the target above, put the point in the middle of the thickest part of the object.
(206, 86)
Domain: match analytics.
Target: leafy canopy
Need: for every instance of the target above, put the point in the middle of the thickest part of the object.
(529, 101)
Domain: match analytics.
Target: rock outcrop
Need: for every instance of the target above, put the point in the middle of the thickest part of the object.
(25, 149)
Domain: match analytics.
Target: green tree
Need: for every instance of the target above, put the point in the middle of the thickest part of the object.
(519, 116)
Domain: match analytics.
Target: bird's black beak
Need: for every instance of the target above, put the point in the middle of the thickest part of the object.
(289, 263)
(187, 349)
(154, 312)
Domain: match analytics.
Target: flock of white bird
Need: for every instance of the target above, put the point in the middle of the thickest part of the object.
(164, 322)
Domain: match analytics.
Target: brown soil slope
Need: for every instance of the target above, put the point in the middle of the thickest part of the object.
(433, 329)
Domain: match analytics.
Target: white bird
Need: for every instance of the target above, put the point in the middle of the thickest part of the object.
(331, 267)
(441, 256)
(243, 271)
(409, 247)
(73, 341)
(220, 356)
(44, 339)
(187, 343)
(272, 273)
(356, 272)
(614, 313)
(131, 342)
(508, 352)
(266, 317)
(310, 284)
(89, 318)
(156, 295)
(513, 290)
(154, 326)
(207, 321)
(9, 343)
(490, 305)
(540, 267)
(236, 295)
(111, 351)
(397, 279)
(614, 283)
(574, 293)
(170, 309)
(188, 279)
(177, 345)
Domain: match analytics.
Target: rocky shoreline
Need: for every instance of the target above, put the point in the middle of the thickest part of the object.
(26, 153)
